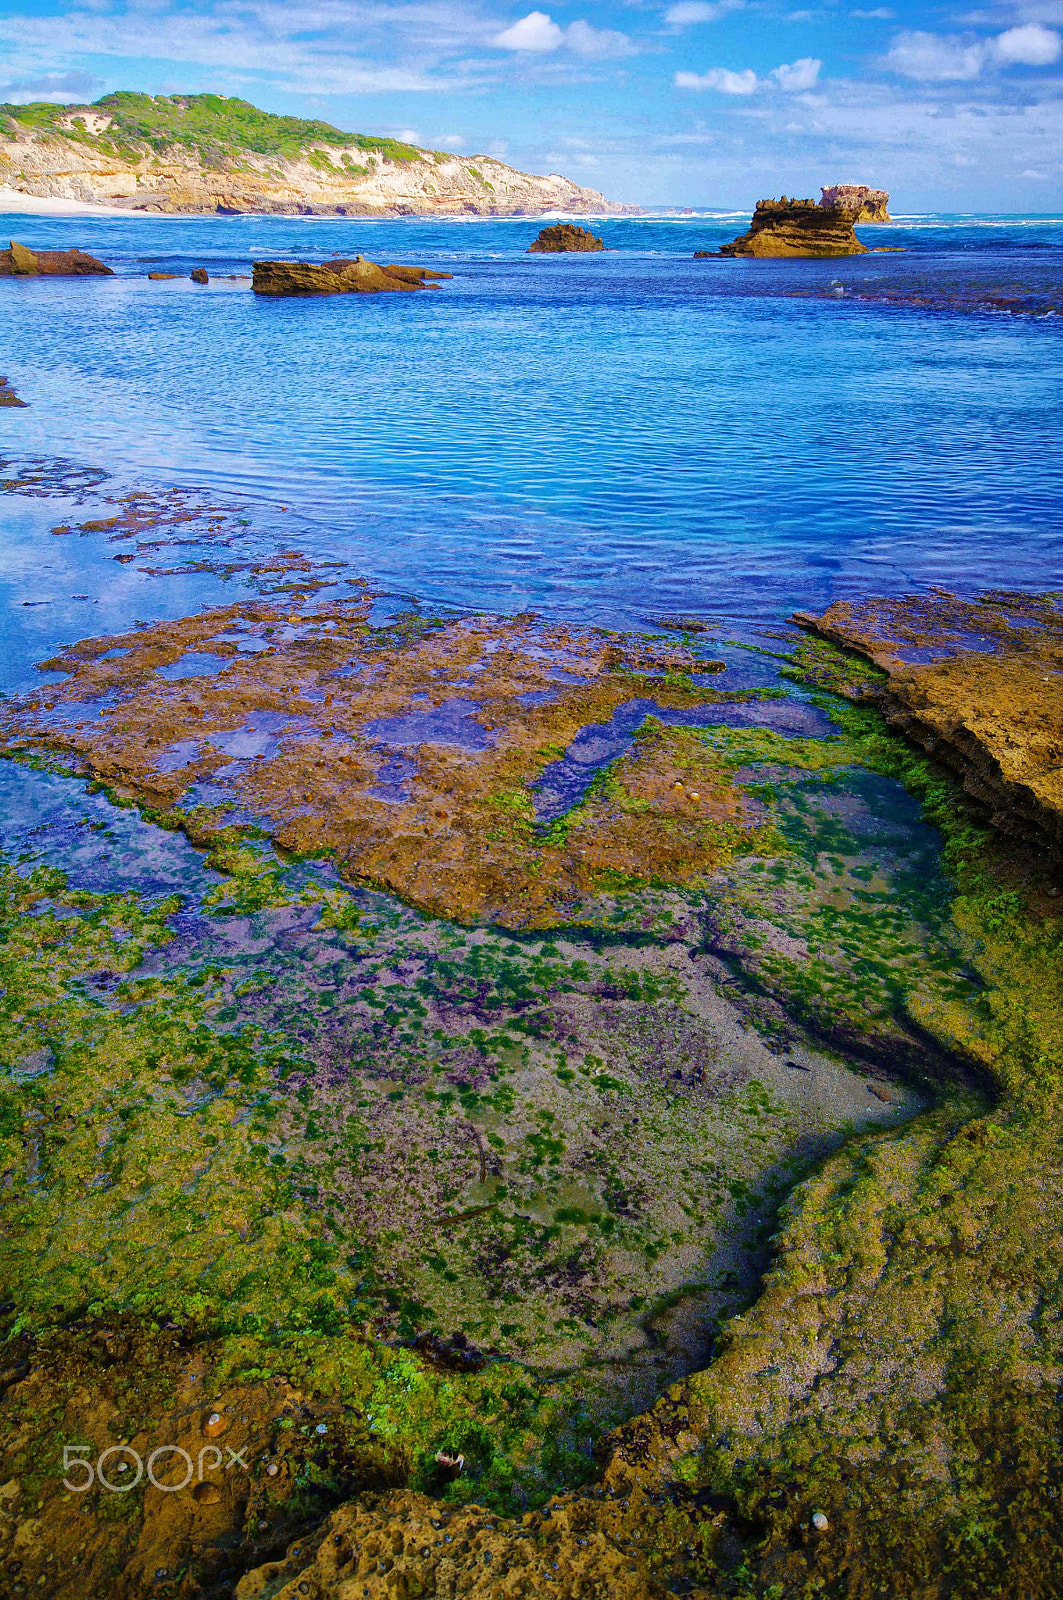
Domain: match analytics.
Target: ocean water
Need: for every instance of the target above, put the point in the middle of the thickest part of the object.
(607, 437)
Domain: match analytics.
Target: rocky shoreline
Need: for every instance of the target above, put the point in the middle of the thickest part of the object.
(634, 1004)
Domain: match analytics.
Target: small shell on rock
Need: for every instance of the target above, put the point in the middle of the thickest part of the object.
(819, 1522)
(206, 1494)
(215, 1424)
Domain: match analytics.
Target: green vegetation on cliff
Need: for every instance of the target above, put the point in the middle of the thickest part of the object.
(210, 124)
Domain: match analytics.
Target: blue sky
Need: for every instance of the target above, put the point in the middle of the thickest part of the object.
(679, 102)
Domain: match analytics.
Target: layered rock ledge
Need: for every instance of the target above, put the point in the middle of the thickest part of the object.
(797, 228)
(359, 276)
(978, 685)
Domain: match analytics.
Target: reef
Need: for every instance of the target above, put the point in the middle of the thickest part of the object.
(8, 397)
(564, 236)
(570, 1126)
(979, 686)
(359, 276)
(797, 228)
(864, 204)
(19, 262)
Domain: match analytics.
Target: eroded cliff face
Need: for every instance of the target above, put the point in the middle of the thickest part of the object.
(865, 205)
(78, 161)
(797, 228)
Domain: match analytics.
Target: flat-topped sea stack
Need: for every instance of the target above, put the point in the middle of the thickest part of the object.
(359, 276)
(563, 237)
(19, 262)
(863, 204)
(797, 228)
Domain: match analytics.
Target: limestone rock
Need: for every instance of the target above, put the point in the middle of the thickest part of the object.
(864, 204)
(797, 228)
(199, 275)
(564, 236)
(979, 686)
(359, 276)
(192, 154)
(18, 262)
(23, 261)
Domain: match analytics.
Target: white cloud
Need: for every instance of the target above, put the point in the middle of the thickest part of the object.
(1031, 46)
(880, 14)
(932, 57)
(938, 58)
(798, 75)
(721, 79)
(538, 33)
(451, 141)
(68, 88)
(584, 40)
(688, 11)
(534, 32)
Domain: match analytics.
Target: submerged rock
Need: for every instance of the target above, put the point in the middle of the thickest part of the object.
(864, 204)
(797, 228)
(564, 236)
(8, 397)
(19, 262)
(359, 276)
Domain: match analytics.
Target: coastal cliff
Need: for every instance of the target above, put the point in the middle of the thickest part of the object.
(797, 228)
(205, 153)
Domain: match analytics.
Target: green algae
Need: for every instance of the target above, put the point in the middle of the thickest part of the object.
(477, 1056)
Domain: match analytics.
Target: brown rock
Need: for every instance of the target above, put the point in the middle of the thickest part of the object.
(979, 686)
(8, 397)
(332, 277)
(23, 261)
(199, 275)
(797, 228)
(158, 277)
(415, 274)
(863, 204)
(17, 262)
(564, 236)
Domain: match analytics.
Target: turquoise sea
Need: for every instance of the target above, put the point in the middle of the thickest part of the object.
(608, 437)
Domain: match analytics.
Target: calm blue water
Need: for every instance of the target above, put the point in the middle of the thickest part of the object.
(606, 437)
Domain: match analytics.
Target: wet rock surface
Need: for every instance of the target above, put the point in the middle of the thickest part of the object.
(359, 276)
(979, 686)
(19, 261)
(797, 228)
(564, 236)
(654, 1195)
(8, 397)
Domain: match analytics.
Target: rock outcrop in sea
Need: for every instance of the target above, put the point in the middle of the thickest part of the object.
(20, 262)
(563, 237)
(359, 276)
(797, 228)
(205, 153)
(864, 204)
